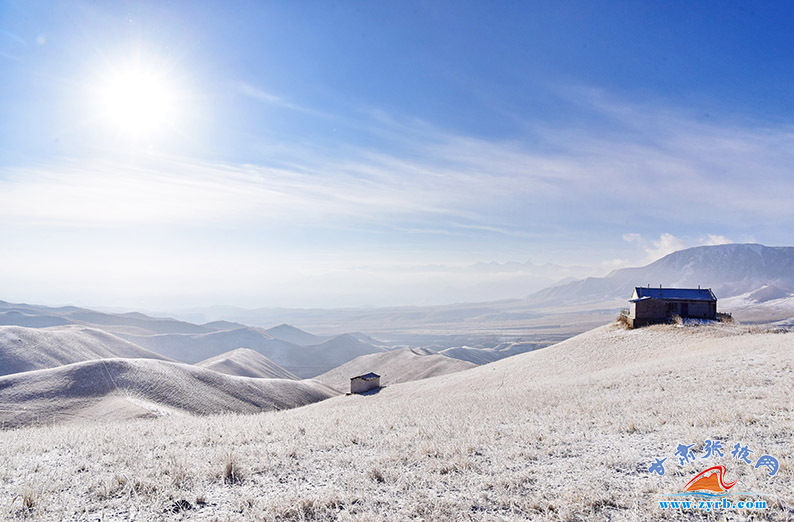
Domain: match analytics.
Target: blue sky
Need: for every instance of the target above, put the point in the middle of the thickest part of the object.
(379, 153)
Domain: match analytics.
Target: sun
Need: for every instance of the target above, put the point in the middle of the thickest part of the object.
(137, 101)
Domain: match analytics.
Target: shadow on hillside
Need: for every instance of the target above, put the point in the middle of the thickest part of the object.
(374, 391)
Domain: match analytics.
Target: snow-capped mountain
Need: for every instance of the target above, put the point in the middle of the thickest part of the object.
(729, 270)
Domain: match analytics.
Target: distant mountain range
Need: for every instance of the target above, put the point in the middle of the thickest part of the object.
(44, 337)
(293, 335)
(303, 361)
(38, 316)
(69, 362)
(759, 273)
(755, 280)
(729, 270)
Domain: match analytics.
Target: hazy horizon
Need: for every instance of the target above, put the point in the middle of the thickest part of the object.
(357, 155)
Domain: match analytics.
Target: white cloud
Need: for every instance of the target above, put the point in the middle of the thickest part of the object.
(676, 168)
(653, 249)
(261, 95)
(180, 192)
(489, 199)
(713, 239)
(666, 244)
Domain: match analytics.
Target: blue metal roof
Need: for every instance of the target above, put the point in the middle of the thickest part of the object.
(688, 294)
(369, 375)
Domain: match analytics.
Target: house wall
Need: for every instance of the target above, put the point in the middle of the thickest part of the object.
(362, 385)
(648, 311)
(702, 309)
(698, 309)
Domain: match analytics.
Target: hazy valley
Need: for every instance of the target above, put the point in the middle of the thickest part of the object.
(514, 410)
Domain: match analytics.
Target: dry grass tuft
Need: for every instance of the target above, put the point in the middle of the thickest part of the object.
(178, 472)
(312, 509)
(623, 319)
(232, 474)
(27, 504)
(29, 501)
(376, 475)
(181, 505)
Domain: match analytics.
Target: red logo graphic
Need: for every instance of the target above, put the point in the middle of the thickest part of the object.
(711, 479)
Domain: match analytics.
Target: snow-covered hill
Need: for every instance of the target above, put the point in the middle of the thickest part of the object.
(129, 388)
(729, 270)
(395, 366)
(20, 314)
(25, 349)
(245, 362)
(303, 361)
(489, 355)
(563, 433)
(294, 335)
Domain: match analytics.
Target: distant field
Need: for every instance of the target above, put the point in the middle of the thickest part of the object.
(563, 433)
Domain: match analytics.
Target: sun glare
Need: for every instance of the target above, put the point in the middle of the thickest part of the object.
(137, 101)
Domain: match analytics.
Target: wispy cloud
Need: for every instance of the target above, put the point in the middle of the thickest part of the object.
(657, 178)
(261, 95)
(9, 56)
(101, 193)
(678, 168)
(675, 168)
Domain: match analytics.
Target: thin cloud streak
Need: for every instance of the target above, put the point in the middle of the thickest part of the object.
(261, 95)
(683, 167)
(449, 199)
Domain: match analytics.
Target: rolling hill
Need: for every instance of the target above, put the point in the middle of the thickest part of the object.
(244, 362)
(395, 366)
(294, 335)
(20, 314)
(567, 432)
(192, 348)
(25, 349)
(131, 388)
(308, 356)
(489, 355)
(31, 320)
(222, 325)
(303, 361)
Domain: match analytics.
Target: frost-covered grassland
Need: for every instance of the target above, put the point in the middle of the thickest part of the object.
(563, 433)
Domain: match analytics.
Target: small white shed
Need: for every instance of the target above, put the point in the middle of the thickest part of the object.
(363, 383)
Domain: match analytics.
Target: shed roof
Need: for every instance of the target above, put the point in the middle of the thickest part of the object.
(686, 294)
(369, 375)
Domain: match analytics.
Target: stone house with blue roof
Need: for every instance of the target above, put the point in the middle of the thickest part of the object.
(364, 383)
(659, 305)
